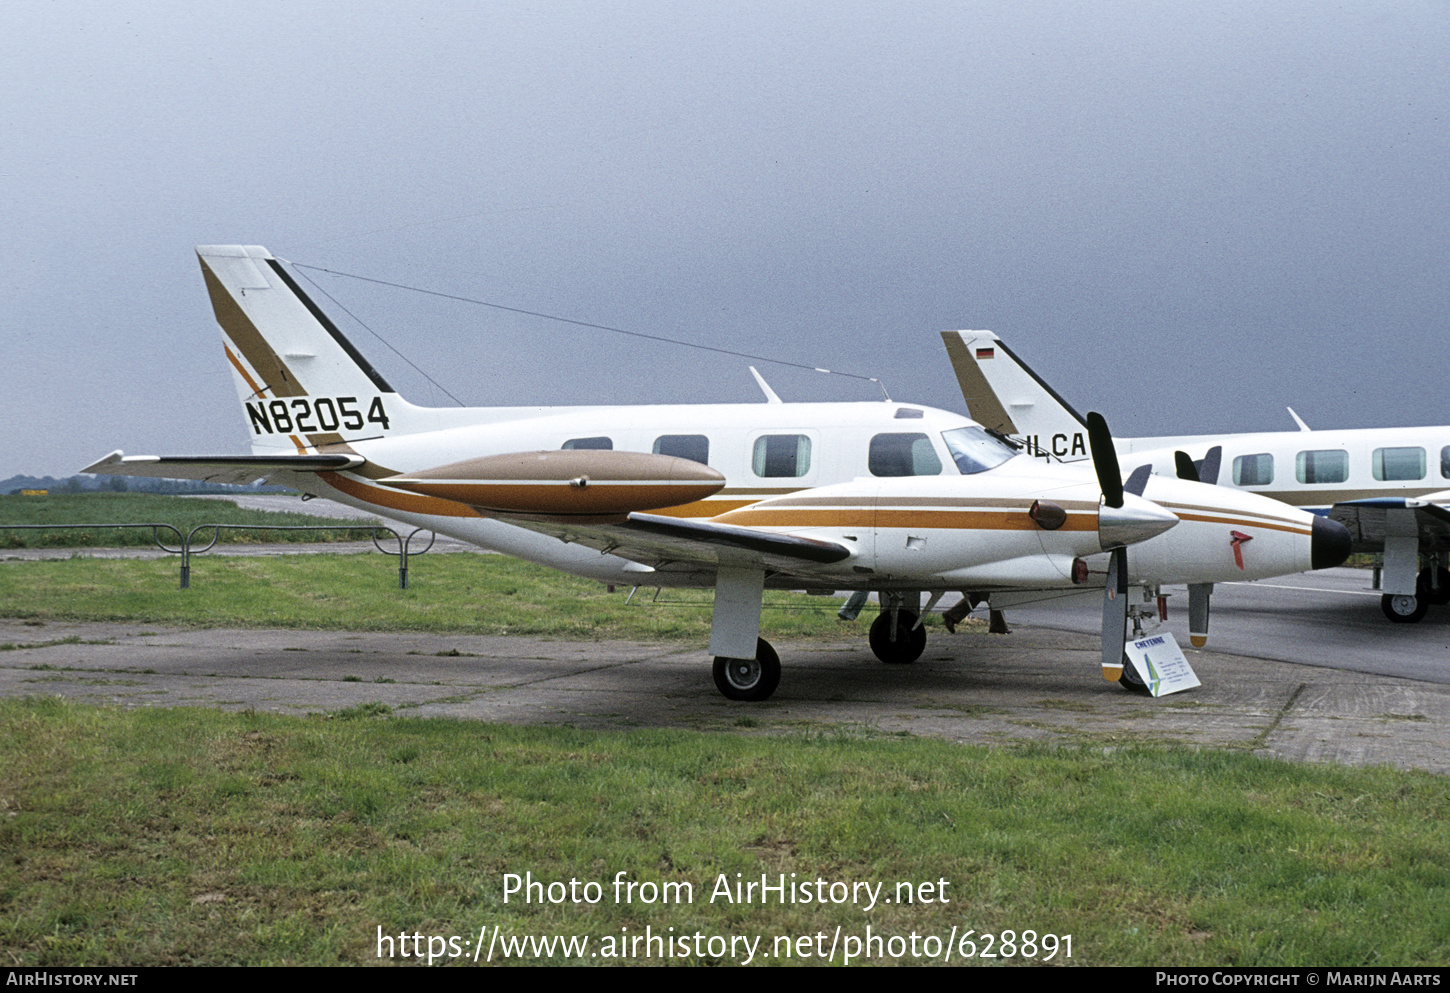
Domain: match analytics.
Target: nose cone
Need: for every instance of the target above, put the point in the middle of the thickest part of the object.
(1329, 545)
(1136, 520)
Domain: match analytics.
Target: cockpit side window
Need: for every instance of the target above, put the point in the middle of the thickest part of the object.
(974, 450)
(903, 455)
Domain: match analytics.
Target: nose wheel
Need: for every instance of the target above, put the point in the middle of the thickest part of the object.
(1131, 681)
(749, 679)
(900, 645)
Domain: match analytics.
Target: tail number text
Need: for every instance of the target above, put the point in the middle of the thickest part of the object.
(309, 415)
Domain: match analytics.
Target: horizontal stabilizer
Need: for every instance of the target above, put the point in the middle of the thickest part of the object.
(239, 469)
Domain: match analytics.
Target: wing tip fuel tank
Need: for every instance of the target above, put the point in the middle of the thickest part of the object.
(585, 483)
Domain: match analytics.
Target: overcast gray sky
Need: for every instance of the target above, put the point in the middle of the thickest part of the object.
(1184, 215)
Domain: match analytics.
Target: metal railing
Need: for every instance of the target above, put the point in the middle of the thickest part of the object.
(186, 545)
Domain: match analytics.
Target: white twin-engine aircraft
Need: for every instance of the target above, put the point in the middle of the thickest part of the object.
(896, 499)
(1389, 486)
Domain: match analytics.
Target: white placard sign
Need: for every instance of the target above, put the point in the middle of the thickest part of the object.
(1161, 665)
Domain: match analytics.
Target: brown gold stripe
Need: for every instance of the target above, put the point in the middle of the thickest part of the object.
(257, 391)
(1207, 519)
(959, 520)
(906, 501)
(396, 500)
(557, 497)
(244, 334)
(1176, 507)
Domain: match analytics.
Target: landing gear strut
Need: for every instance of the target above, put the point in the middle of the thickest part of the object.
(1434, 584)
(749, 679)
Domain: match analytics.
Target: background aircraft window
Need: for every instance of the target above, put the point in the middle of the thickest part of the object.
(1322, 467)
(974, 450)
(695, 447)
(1445, 462)
(903, 455)
(1254, 470)
(602, 444)
(781, 455)
(1398, 463)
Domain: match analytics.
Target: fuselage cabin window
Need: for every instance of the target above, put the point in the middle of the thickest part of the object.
(1397, 464)
(781, 455)
(695, 447)
(591, 444)
(1254, 470)
(1322, 467)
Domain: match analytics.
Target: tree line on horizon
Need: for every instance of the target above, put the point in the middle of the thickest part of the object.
(15, 485)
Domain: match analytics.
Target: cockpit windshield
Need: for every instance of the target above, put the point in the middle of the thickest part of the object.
(974, 450)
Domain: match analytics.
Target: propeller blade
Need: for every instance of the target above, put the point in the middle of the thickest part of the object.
(1198, 597)
(1186, 469)
(1208, 468)
(1105, 459)
(1115, 615)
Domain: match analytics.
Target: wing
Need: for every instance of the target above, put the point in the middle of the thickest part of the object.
(1366, 519)
(240, 469)
(669, 544)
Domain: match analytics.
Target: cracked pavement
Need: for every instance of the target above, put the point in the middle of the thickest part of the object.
(1033, 685)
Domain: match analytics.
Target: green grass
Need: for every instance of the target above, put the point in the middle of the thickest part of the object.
(175, 836)
(98, 509)
(462, 592)
(159, 837)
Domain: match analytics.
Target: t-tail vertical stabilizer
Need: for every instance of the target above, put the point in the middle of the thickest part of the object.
(1003, 394)
(303, 386)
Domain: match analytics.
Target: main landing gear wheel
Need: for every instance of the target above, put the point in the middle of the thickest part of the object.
(909, 643)
(749, 679)
(1404, 609)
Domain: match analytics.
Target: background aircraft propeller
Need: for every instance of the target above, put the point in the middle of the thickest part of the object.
(1186, 469)
(1138, 480)
(1203, 471)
